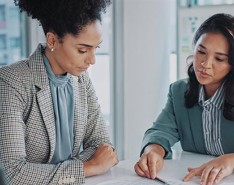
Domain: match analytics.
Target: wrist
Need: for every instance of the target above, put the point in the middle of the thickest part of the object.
(231, 156)
(155, 148)
(89, 168)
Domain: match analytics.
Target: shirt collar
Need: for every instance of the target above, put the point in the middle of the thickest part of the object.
(217, 99)
(60, 80)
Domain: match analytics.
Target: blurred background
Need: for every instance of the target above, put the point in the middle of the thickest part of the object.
(144, 49)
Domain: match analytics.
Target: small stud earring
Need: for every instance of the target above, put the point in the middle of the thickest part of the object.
(52, 49)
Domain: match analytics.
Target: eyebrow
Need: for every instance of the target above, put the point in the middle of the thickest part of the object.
(87, 45)
(219, 53)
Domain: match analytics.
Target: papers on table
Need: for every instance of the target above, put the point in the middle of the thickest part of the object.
(173, 172)
(141, 181)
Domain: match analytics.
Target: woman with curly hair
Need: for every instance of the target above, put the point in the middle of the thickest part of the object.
(51, 127)
(200, 110)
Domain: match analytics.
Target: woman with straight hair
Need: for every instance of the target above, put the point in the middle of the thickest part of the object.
(200, 110)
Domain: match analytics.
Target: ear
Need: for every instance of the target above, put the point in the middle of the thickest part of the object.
(51, 40)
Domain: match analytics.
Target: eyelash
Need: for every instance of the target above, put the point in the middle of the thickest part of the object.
(218, 59)
(83, 52)
(201, 52)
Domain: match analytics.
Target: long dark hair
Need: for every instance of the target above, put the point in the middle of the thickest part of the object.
(222, 24)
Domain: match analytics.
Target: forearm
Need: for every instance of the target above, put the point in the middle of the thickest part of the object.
(86, 154)
(23, 173)
(156, 148)
(23, 166)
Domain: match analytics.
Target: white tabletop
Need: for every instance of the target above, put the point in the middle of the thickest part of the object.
(173, 172)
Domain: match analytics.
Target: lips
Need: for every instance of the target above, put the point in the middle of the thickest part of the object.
(202, 73)
(83, 68)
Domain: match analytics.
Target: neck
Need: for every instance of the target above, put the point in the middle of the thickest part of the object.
(210, 90)
(49, 54)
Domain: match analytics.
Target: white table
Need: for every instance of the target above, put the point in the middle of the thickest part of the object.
(173, 171)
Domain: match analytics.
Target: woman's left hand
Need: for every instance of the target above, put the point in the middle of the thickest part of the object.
(213, 171)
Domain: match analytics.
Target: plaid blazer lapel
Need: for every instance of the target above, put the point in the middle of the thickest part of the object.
(80, 114)
(43, 95)
(46, 107)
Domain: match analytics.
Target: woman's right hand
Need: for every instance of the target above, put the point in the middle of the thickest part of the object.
(103, 159)
(151, 161)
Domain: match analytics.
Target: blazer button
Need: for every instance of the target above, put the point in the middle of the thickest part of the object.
(66, 180)
(60, 181)
(72, 179)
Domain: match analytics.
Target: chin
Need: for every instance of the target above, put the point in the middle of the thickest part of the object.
(204, 82)
(77, 73)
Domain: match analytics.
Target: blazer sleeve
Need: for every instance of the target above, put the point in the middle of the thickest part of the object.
(96, 129)
(164, 130)
(13, 154)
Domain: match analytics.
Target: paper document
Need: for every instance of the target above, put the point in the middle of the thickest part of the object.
(142, 181)
(173, 173)
(136, 180)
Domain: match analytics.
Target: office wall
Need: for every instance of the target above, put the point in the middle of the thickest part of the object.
(149, 37)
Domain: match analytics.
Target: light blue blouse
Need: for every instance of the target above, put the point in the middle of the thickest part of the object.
(63, 101)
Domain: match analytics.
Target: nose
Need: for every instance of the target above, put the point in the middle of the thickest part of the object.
(91, 58)
(207, 63)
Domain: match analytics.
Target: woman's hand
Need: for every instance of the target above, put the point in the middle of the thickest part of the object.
(103, 159)
(213, 171)
(151, 161)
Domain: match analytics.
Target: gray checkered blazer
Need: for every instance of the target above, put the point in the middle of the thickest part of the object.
(27, 125)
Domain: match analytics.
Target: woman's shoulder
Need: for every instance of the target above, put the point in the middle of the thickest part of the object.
(180, 84)
(179, 87)
(15, 72)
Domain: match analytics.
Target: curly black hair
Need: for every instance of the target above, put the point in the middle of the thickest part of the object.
(222, 24)
(64, 16)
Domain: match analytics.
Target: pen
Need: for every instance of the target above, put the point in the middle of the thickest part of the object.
(161, 181)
